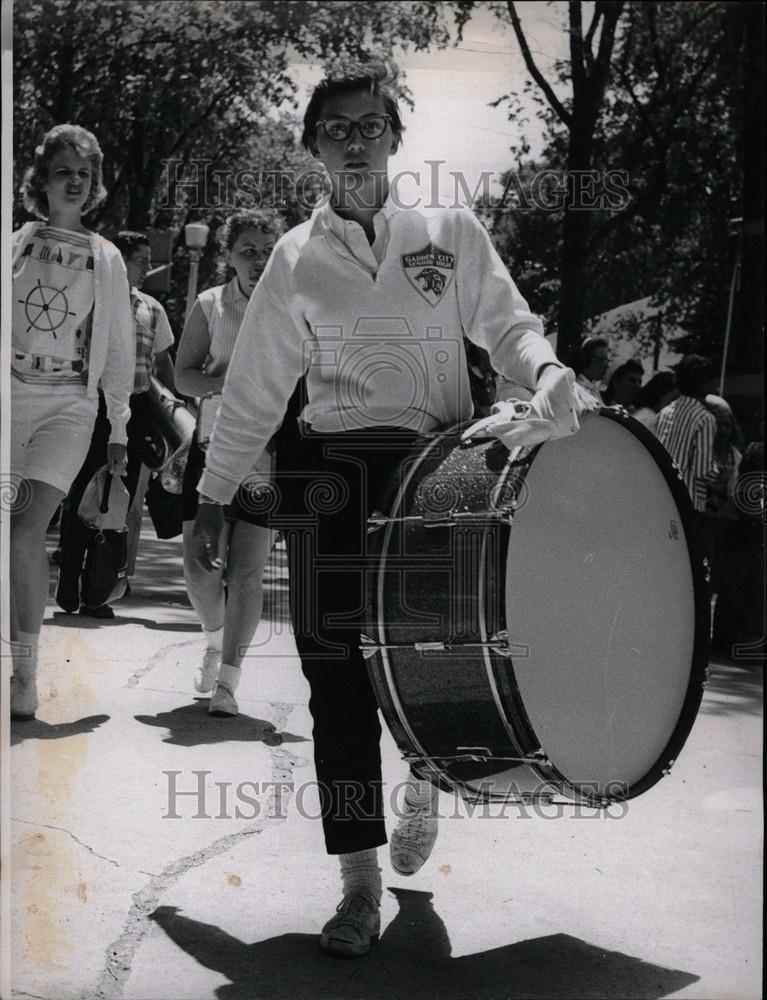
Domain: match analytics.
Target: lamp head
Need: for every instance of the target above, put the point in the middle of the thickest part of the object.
(196, 235)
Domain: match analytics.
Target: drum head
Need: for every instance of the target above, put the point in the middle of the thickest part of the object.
(602, 590)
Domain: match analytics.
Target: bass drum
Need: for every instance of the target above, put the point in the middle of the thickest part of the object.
(538, 621)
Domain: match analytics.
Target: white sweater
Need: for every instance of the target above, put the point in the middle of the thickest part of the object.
(376, 330)
(112, 355)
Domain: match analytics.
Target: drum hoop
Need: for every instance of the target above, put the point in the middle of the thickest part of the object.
(701, 604)
(699, 662)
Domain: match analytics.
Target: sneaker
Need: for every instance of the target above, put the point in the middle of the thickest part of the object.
(223, 701)
(357, 922)
(207, 672)
(23, 697)
(414, 838)
(103, 611)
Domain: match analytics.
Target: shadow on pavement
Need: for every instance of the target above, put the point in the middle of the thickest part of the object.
(191, 726)
(64, 620)
(36, 729)
(413, 961)
(734, 688)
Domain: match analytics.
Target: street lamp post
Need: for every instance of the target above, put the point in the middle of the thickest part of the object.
(195, 237)
(737, 229)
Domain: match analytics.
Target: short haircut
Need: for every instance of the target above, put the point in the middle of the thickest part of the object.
(720, 407)
(692, 373)
(267, 219)
(653, 391)
(377, 77)
(80, 141)
(632, 365)
(128, 242)
(582, 354)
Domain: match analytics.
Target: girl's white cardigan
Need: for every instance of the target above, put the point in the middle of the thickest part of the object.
(112, 357)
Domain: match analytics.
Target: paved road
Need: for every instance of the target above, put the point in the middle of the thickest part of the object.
(115, 898)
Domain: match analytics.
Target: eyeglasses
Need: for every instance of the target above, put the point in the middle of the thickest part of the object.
(339, 129)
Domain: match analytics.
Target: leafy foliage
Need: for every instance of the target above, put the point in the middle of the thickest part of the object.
(193, 103)
(671, 119)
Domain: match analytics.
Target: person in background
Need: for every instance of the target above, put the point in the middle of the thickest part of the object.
(154, 339)
(72, 332)
(720, 520)
(229, 612)
(686, 428)
(624, 385)
(590, 360)
(740, 630)
(652, 397)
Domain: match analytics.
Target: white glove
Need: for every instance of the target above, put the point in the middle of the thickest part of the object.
(551, 413)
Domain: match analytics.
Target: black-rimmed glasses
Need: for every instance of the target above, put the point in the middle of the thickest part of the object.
(339, 129)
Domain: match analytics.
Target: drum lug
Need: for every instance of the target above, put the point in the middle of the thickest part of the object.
(618, 411)
(501, 644)
(667, 769)
(376, 521)
(368, 648)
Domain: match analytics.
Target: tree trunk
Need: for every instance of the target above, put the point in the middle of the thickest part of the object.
(62, 109)
(576, 227)
(747, 345)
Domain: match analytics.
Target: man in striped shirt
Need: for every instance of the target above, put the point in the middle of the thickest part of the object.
(687, 429)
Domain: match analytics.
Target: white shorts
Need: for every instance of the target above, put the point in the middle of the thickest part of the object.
(50, 432)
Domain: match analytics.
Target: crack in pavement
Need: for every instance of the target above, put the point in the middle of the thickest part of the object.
(119, 955)
(156, 659)
(61, 829)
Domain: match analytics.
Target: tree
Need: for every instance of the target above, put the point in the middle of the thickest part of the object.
(589, 73)
(192, 102)
(672, 121)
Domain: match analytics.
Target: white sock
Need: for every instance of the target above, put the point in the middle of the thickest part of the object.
(420, 794)
(360, 873)
(230, 675)
(215, 638)
(24, 652)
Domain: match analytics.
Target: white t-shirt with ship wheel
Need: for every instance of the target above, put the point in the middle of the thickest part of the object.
(53, 295)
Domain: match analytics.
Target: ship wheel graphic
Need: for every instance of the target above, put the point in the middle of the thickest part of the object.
(46, 308)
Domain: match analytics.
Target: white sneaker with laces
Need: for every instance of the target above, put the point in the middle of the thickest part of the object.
(207, 672)
(414, 838)
(223, 701)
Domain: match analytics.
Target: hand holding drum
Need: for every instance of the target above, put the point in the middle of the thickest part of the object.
(552, 412)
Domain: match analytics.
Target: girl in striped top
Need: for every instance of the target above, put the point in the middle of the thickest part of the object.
(72, 331)
(229, 617)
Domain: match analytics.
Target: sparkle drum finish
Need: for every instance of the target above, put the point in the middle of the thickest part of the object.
(537, 621)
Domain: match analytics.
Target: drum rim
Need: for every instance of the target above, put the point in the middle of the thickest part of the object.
(701, 604)
(701, 641)
(397, 717)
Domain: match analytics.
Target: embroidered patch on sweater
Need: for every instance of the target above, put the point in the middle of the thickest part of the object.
(429, 271)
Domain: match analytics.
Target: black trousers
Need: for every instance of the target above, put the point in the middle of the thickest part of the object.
(74, 535)
(328, 486)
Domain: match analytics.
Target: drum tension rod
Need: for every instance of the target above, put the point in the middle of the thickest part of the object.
(446, 519)
(477, 755)
(499, 643)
